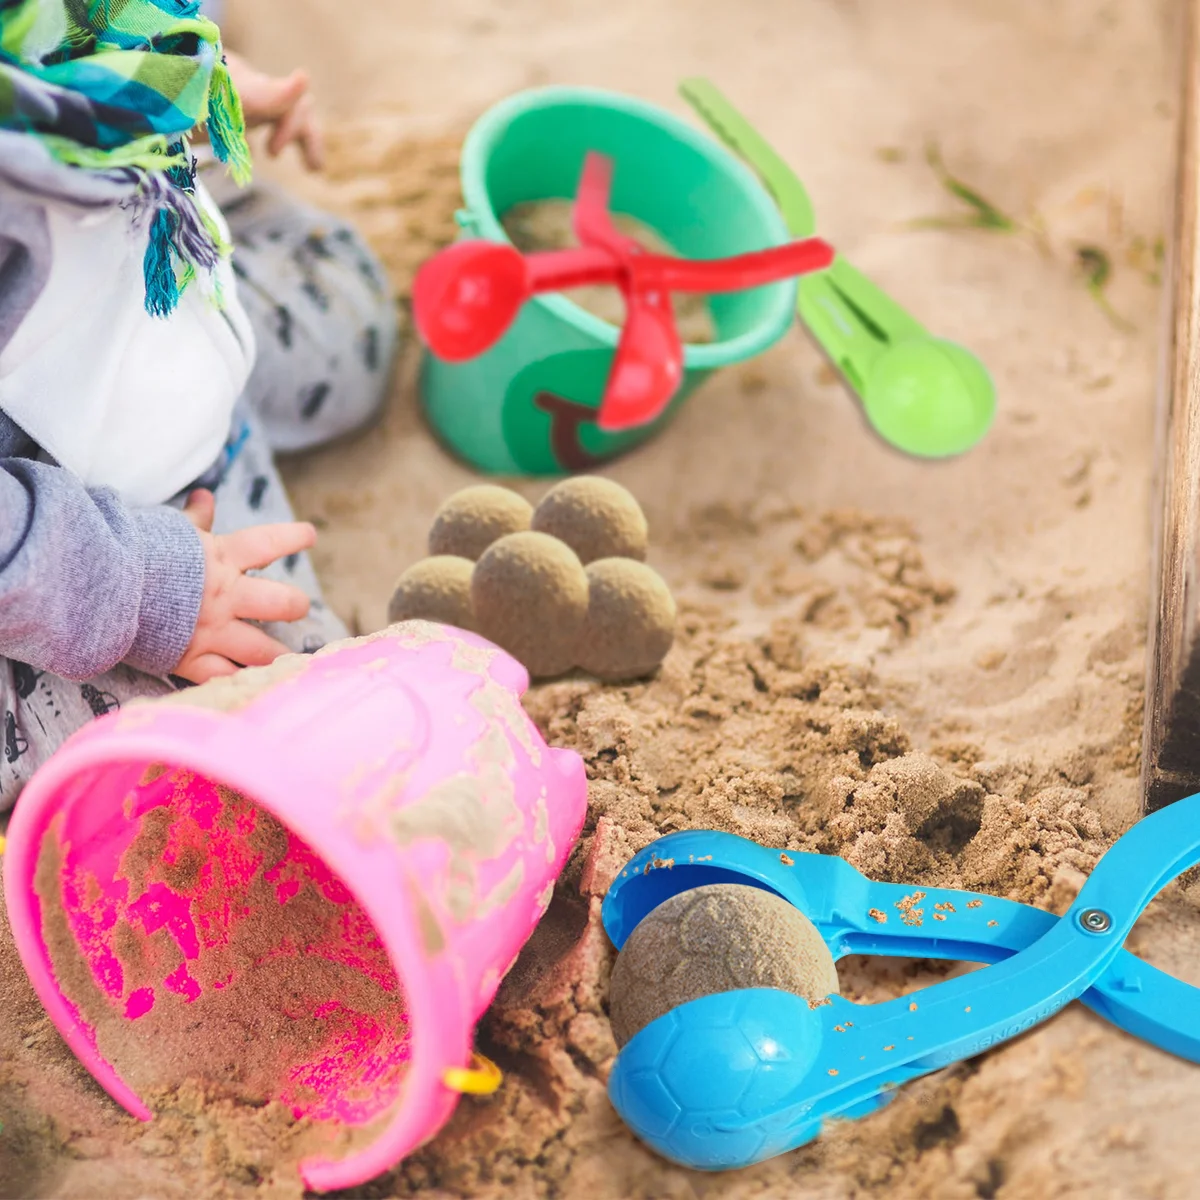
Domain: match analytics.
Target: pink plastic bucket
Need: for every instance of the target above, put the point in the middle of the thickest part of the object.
(332, 861)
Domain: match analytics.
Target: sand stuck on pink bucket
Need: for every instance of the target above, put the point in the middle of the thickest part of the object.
(222, 942)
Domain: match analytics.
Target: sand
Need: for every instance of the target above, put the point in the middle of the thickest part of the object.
(630, 622)
(261, 996)
(933, 670)
(716, 939)
(595, 517)
(529, 593)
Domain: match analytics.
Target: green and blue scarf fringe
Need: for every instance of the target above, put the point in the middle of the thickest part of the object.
(116, 86)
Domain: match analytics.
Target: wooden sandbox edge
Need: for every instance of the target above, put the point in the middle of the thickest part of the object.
(1171, 728)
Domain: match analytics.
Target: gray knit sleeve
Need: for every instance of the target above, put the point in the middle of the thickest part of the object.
(86, 582)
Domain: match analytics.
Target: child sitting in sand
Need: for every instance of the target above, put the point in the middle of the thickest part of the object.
(155, 349)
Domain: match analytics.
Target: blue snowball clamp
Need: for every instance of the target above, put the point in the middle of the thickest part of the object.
(738, 1077)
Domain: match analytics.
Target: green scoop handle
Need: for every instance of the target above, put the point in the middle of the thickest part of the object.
(924, 395)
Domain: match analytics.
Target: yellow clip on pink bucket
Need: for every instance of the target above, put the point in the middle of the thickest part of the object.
(331, 862)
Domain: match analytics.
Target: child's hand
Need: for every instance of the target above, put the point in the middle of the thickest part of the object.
(283, 104)
(223, 640)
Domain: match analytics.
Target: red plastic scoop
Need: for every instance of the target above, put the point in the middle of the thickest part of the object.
(466, 296)
(648, 366)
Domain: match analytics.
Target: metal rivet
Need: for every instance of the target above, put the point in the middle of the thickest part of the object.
(1095, 920)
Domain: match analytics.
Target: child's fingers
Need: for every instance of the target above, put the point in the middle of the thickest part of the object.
(248, 645)
(289, 126)
(312, 140)
(204, 667)
(260, 545)
(200, 509)
(278, 97)
(267, 600)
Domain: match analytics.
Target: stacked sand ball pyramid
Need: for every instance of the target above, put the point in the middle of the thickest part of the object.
(559, 586)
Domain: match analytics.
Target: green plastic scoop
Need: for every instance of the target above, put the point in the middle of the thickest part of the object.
(923, 395)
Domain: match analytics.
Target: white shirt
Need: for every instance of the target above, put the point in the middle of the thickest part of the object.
(124, 399)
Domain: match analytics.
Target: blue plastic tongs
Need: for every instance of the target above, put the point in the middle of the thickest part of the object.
(734, 1078)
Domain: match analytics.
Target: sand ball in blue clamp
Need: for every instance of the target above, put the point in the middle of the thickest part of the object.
(716, 938)
(712, 1001)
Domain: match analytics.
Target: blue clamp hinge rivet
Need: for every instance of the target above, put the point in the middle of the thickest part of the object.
(1095, 920)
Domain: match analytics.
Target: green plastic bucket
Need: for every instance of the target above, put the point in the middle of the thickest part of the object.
(526, 407)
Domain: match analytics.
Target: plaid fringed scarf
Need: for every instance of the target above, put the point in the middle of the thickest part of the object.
(114, 87)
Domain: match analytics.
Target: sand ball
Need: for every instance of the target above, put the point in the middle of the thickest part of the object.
(595, 517)
(630, 621)
(435, 589)
(713, 939)
(530, 596)
(471, 520)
